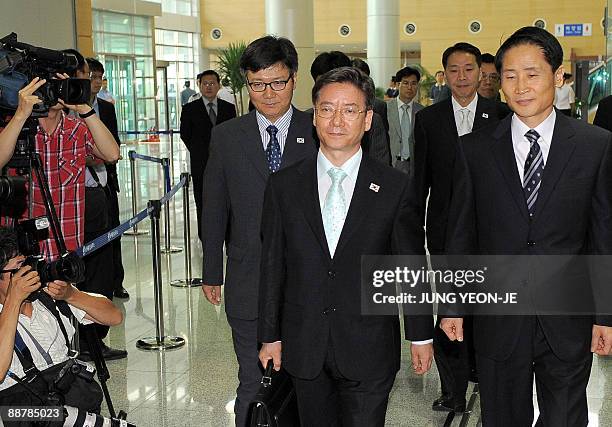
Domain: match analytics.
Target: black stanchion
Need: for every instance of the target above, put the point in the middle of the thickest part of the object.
(168, 248)
(188, 282)
(135, 231)
(160, 341)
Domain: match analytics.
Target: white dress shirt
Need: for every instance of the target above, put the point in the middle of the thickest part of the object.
(471, 107)
(521, 144)
(564, 97)
(351, 168)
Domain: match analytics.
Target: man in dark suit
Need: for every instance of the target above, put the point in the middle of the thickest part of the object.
(603, 116)
(378, 105)
(401, 112)
(436, 133)
(320, 216)
(106, 112)
(375, 142)
(243, 154)
(537, 184)
(197, 120)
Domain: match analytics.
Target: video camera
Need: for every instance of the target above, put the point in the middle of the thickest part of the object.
(21, 62)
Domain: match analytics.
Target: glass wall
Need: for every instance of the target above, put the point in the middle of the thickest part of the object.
(180, 7)
(124, 44)
(180, 50)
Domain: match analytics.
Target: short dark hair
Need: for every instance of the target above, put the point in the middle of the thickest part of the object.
(80, 61)
(407, 72)
(187, 83)
(464, 48)
(95, 65)
(567, 76)
(209, 73)
(9, 247)
(487, 58)
(551, 48)
(349, 75)
(360, 64)
(438, 72)
(328, 61)
(267, 51)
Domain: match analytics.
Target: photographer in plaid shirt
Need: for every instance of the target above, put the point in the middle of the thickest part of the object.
(63, 142)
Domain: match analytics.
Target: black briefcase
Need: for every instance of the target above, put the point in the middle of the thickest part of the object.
(275, 404)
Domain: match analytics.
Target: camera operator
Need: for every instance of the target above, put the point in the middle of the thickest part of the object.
(34, 330)
(63, 142)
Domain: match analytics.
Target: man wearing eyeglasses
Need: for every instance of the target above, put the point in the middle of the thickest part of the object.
(490, 81)
(244, 152)
(197, 120)
(319, 218)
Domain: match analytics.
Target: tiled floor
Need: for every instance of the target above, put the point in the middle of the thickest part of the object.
(194, 385)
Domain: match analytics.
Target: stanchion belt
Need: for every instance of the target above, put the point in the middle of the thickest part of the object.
(116, 232)
(135, 155)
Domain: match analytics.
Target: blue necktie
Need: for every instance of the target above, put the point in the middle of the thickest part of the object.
(534, 170)
(334, 209)
(273, 151)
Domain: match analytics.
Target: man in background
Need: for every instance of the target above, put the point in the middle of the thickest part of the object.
(439, 91)
(490, 81)
(186, 93)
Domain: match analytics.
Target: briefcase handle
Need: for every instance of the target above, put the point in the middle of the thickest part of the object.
(266, 380)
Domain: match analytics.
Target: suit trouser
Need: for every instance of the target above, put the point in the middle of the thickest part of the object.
(333, 400)
(244, 335)
(99, 264)
(453, 362)
(506, 387)
(118, 270)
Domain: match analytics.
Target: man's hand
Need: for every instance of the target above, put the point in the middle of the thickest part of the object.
(27, 99)
(453, 328)
(59, 290)
(212, 293)
(22, 284)
(422, 356)
(601, 340)
(271, 351)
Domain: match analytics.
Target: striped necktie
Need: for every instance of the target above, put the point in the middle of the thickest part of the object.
(273, 150)
(534, 170)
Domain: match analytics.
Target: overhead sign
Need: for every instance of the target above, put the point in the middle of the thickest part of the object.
(573, 30)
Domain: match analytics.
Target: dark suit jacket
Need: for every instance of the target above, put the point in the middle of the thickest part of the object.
(380, 107)
(307, 298)
(435, 148)
(234, 184)
(603, 116)
(196, 128)
(489, 216)
(109, 118)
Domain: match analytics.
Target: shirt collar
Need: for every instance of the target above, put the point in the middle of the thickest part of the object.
(471, 106)
(350, 167)
(206, 101)
(400, 103)
(282, 124)
(544, 129)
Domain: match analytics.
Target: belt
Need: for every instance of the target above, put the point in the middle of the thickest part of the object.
(402, 159)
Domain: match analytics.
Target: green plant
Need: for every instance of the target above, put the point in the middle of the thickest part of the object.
(380, 93)
(229, 68)
(427, 81)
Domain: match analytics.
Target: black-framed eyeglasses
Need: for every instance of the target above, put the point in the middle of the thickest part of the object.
(494, 77)
(276, 85)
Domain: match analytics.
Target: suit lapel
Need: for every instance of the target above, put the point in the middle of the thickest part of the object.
(561, 148)
(503, 152)
(311, 203)
(363, 200)
(483, 115)
(450, 117)
(297, 129)
(395, 120)
(253, 146)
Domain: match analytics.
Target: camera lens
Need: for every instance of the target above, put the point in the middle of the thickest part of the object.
(12, 188)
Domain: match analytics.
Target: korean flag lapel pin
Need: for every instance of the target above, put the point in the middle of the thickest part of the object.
(374, 187)
(300, 140)
(485, 116)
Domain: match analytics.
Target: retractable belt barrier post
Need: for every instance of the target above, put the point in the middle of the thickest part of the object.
(168, 248)
(171, 131)
(188, 282)
(135, 231)
(160, 341)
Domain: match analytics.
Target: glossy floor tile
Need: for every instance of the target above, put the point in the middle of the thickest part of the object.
(195, 385)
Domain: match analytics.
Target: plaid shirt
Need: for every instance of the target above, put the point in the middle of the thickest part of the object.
(63, 157)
